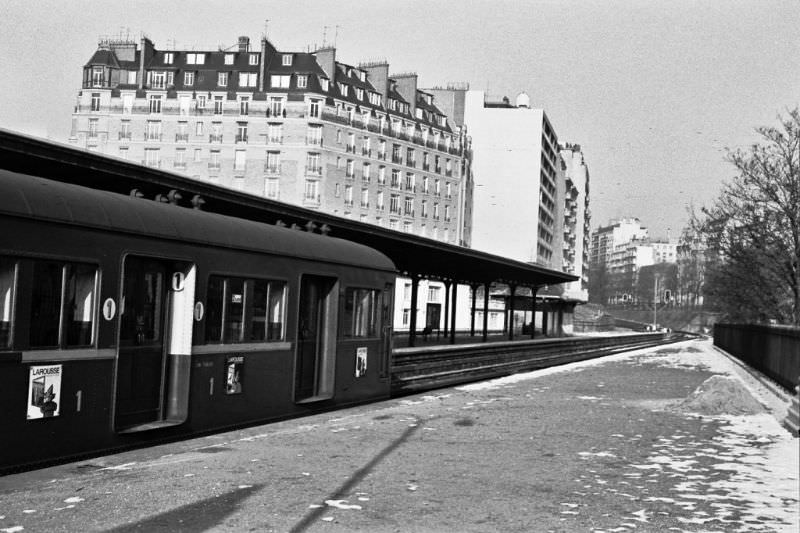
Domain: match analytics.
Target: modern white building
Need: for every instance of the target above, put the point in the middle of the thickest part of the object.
(515, 163)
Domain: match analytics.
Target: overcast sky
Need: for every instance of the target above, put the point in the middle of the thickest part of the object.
(653, 91)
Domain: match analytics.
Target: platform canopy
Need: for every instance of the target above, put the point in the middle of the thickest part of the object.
(412, 255)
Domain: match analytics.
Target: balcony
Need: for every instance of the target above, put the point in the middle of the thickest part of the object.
(380, 207)
(180, 165)
(411, 163)
(331, 116)
(313, 200)
(241, 138)
(215, 138)
(365, 177)
(276, 113)
(314, 170)
(275, 139)
(181, 137)
(364, 204)
(409, 213)
(348, 203)
(314, 141)
(350, 174)
(395, 210)
(448, 173)
(350, 148)
(426, 167)
(214, 166)
(382, 156)
(272, 169)
(397, 159)
(438, 169)
(124, 135)
(411, 188)
(153, 137)
(152, 163)
(366, 151)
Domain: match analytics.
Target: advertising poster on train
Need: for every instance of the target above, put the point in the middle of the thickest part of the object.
(44, 391)
(361, 361)
(234, 372)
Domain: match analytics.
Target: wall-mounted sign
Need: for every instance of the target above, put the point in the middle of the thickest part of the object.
(234, 374)
(199, 310)
(44, 391)
(361, 361)
(109, 309)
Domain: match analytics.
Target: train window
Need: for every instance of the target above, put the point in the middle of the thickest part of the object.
(234, 310)
(244, 310)
(62, 305)
(267, 316)
(361, 313)
(8, 269)
(80, 291)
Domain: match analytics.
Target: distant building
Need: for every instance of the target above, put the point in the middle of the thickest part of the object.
(606, 239)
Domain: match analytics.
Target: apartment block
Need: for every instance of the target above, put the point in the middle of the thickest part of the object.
(297, 127)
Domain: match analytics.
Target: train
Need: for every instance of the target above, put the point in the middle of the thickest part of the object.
(126, 321)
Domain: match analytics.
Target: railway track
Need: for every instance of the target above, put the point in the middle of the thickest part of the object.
(432, 367)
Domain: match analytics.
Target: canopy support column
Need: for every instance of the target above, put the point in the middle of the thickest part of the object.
(512, 289)
(486, 311)
(533, 311)
(453, 314)
(412, 319)
(474, 289)
(446, 307)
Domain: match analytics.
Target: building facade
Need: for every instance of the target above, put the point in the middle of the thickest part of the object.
(301, 128)
(577, 221)
(514, 149)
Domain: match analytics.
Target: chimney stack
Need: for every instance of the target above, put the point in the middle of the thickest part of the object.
(244, 43)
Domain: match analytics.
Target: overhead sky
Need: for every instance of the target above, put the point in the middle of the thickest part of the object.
(653, 91)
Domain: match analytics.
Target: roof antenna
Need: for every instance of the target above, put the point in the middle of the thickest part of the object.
(324, 36)
(266, 24)
(336, 36)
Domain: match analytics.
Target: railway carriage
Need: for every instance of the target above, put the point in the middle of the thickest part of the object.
(125, 321)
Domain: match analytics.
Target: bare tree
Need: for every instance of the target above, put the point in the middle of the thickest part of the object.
(753, 230)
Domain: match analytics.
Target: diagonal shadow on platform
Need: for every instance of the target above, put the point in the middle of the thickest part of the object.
(197, 516)
(355, 479)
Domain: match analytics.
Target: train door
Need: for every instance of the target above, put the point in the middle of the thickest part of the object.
(154, 344)
(316, 339)
(386, 329)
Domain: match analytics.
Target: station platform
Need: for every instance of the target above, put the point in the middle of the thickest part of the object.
(677, 438)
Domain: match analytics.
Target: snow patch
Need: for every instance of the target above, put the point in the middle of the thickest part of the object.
(340, 504)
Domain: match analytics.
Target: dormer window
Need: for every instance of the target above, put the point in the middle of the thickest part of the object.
(229, 59)
(360, 93)
(419, 113)
(324, 83)
(286, 60)
(362, 75)
(253, 59)
(168, 58)
(195, 59)
(302, 81)
(344, 89)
